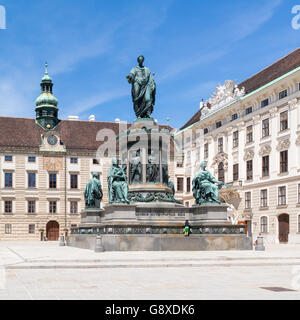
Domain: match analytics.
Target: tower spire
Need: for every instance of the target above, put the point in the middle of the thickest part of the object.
(46, 104)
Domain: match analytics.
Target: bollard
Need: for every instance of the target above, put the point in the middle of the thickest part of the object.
(99, 246)
(62, 241)
(260, 244)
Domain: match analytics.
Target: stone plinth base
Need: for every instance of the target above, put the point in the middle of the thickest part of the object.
(209, 213)
(91, 216)
(159, 226)
(163, 242)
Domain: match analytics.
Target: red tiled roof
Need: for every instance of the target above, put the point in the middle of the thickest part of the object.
(274, 71)
(76, 135)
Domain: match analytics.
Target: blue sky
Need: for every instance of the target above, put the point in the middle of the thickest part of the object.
(91, 45)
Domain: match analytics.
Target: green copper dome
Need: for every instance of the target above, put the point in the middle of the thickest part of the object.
(46, 104)
(46, 99)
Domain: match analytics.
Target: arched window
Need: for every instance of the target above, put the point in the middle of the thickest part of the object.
(221, 173)
(264, 224)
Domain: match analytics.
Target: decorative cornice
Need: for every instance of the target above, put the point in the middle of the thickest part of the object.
(293, 104)
(283, 145)
(221, 157)
(249, 154)
(265, 150)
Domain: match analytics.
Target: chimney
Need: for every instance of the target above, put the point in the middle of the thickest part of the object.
(92, 118)
(73, 118)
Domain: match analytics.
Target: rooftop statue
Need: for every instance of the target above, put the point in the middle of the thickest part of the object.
(93, 192)
(205, 188)
(143, 89)
(117, 183)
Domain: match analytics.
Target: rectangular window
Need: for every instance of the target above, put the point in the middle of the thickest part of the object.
(249, 137)
(188, 184)
(263, 224)
(265, 166)
(264, 103)
(8, 206)
(264, 198)
(31, 159)
(206, 151)
(299, 194)
(235, 139)
(31, 180)
(8, 228)
(220, 145)
(234, 117)
(283, 161)
(8, 179)
(74, 207)
(282, 196)
(218, 124)
(52, 206)
(31, 206)
(31, 228)
(8, 158)
(247, 200)
(205, 130)
(283, 94)
(283, 120)
(265, 128)
(74, 181)
(236, 172)
(249, 110)
(249, 169)
(180, 184)
(52, 180)
(74, 160)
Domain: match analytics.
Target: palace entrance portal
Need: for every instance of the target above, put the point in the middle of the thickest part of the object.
(284, 227)
(52, 231)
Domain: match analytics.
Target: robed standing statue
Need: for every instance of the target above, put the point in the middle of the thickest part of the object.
(143, 89)
(93, 192)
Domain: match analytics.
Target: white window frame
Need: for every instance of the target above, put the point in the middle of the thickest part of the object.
(260, 224)
(268, 196)
(286, 195)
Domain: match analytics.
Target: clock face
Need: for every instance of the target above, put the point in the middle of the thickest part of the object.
(52, 140)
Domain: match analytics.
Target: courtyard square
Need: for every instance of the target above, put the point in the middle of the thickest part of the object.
(38, 271)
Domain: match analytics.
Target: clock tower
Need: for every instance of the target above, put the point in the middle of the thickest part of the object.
(46, 104)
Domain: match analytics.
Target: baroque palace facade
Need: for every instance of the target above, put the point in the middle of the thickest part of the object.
(250, 136)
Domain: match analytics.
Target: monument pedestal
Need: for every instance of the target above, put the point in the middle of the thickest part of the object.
(159, 226)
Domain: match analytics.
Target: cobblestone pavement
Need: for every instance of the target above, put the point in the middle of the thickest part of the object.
(47, 271)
